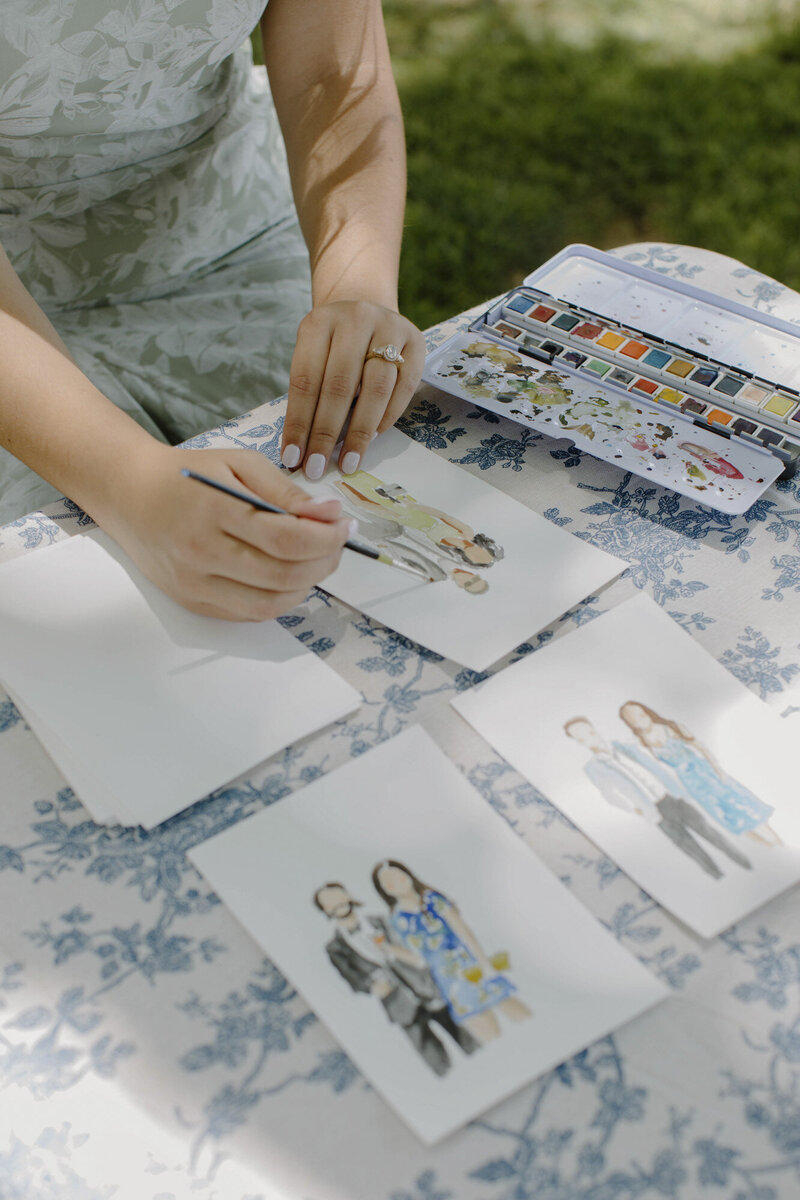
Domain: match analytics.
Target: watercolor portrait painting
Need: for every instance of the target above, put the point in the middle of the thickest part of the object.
(421, 960)
(496, 571)
(667, 777)
(448, 962)
(667, 762)
(442, 545)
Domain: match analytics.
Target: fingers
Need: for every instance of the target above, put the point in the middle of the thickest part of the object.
(228, 559)
(329, 371)
(259, 476)
(305, 382)
(407, 381)
(378, 382)
(245, 564)
(268, 483)
(288, 539)
(233, 601)
(228, 577)
(311, 530)
(386, 391)
(248, 582)
(340, 383)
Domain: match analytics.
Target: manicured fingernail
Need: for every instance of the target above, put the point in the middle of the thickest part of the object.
(350, 462)
(352, 529)
(323, 500)
(291, 456)
(372, 439)
(315, 467)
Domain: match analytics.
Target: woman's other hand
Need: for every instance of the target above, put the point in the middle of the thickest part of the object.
(329, 369)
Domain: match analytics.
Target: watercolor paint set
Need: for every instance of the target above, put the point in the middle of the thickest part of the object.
(695, 392)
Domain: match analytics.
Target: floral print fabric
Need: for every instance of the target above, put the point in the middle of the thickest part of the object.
(145, 204)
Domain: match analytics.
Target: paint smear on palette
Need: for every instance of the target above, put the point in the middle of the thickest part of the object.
(623, 429)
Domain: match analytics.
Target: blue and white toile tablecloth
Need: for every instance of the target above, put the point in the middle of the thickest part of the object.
(148, 1051)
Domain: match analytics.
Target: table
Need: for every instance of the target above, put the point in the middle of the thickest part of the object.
(148, 1050)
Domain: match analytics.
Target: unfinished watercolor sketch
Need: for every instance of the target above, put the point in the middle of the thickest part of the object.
(445, 958)
(665, 760)
(498, 571)
(443, 546)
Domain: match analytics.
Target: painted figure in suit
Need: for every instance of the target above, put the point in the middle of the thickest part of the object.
(363, 953)
(631, 780)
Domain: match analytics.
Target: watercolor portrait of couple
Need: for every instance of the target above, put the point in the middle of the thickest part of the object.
(668, 777)
(441, 545)
(417, 957)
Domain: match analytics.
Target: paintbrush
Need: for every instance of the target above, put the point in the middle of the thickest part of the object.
(402, 564)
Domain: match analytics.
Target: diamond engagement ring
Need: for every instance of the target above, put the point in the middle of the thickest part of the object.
(388, 353)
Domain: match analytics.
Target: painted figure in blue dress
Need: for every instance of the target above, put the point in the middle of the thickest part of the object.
(432, 931)
(698, 776)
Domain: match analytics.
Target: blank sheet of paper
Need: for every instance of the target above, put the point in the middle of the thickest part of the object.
(158, 706)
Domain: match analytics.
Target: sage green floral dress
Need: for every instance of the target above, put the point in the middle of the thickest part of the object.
(145, 204)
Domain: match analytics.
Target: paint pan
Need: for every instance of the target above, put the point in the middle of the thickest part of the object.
(628, 428)
(628, 332)
(780, 405)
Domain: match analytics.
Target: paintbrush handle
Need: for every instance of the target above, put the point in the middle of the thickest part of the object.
(261, 505)
(264, 506)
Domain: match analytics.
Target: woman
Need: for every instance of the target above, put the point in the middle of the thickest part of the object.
(154, 274)
(433, 932)
(700, 777)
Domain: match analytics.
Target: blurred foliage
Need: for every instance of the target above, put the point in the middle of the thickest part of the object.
(518, 145)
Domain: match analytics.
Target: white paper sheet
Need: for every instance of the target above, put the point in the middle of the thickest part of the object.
(572, 982)
(534, 570)
(151, 707)
(692, 820)
(94, 796)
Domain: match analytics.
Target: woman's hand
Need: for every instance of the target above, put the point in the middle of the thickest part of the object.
(212, 553)
(328, 372)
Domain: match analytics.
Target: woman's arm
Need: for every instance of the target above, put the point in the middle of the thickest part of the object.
(334, 92)
(213, 555)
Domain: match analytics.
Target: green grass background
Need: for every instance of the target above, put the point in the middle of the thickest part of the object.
(524, 136)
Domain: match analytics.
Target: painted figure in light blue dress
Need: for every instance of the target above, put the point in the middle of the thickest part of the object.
(431, 930)
(698, 776)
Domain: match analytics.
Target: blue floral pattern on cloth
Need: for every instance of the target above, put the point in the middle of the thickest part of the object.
(149, 1051)
(725, 800)
(429, 932)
